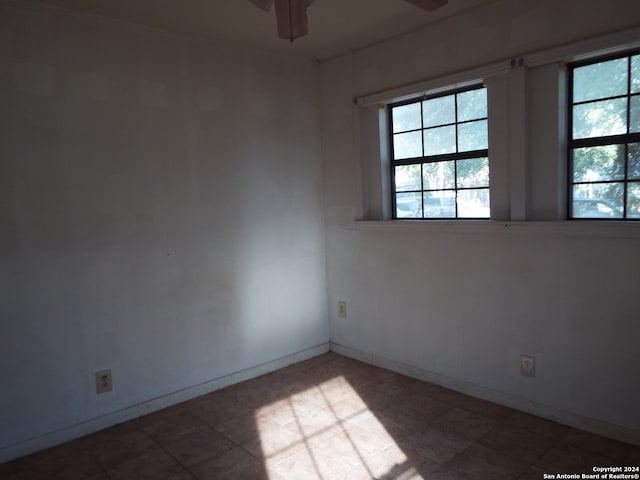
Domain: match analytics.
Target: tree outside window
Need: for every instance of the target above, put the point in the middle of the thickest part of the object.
(604, 150)
(440, 164)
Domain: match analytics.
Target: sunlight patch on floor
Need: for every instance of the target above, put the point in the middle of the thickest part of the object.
(328, 431)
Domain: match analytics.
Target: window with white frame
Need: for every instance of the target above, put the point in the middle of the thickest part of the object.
(604, 144)
(439, 155)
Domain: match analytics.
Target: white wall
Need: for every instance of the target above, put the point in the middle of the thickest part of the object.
(160, 210)
(161, 215)
(462, 302)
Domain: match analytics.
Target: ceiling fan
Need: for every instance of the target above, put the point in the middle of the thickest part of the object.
(291, 15)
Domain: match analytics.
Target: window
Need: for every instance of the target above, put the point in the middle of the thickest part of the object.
(439, 156)
(604, 148)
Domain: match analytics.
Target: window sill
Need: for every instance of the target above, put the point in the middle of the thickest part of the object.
(577, 228)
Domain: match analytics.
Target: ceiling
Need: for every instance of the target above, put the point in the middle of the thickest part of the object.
(335, 26)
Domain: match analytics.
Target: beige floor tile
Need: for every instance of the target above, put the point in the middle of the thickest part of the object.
(329, 418)
(175, 427)
(394, 462)
(598, 445)
(312, 464)
(466, 424)
(114, 450)
(216, 411)
(478, 461)
(516, 442)
(151, 466)
(566, 458)
(435, 444)
(245, 428)
(75, 466)
(538, 425)
(275, 444)
(316, 427)
(198, 447)
(233, 464)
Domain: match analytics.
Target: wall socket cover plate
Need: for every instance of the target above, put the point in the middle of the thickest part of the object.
(103, 381)
(342, 309)
(527, 365)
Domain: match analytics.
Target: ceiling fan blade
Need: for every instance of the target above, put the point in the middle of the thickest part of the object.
(292, 18)
(263, 4)
(428, 5)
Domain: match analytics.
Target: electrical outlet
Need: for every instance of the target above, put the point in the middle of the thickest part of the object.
(342, 309)
(103, 381)
(527, 365)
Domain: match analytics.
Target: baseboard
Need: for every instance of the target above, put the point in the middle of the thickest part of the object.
(72, 432)
(592, 425)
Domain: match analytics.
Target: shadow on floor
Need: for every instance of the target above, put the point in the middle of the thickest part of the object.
(330, 417)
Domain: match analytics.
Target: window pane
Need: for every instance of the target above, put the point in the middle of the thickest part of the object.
(635, 74)
(408, 205)
(439, 111)
(634, 161)
(592, 164)
(406, 117)
(600, 80)
(600, 200)
(473, 172)
(440, 140)
(599, 119)
(472, 136)
(472, 105)
(633, 200)
(407, 145)
(439, 175)
(441, 128)
(439, 204)
(473, 203)
(407, 177)
(634, 115)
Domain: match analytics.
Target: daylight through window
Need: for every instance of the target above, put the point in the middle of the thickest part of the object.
(439, 151)
(604, 148)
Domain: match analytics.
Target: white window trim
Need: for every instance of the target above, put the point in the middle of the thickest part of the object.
(432, 86)
(581, 50)
(595, 229)
(373, 210)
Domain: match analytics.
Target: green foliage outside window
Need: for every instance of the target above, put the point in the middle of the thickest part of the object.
(440, 156)
(604, 149)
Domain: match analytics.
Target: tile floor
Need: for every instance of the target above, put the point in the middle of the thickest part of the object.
(330, 417)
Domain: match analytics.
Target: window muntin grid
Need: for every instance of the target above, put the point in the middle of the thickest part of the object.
(439, 156)
(604, 143)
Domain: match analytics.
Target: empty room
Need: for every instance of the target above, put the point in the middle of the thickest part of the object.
(319, 239)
